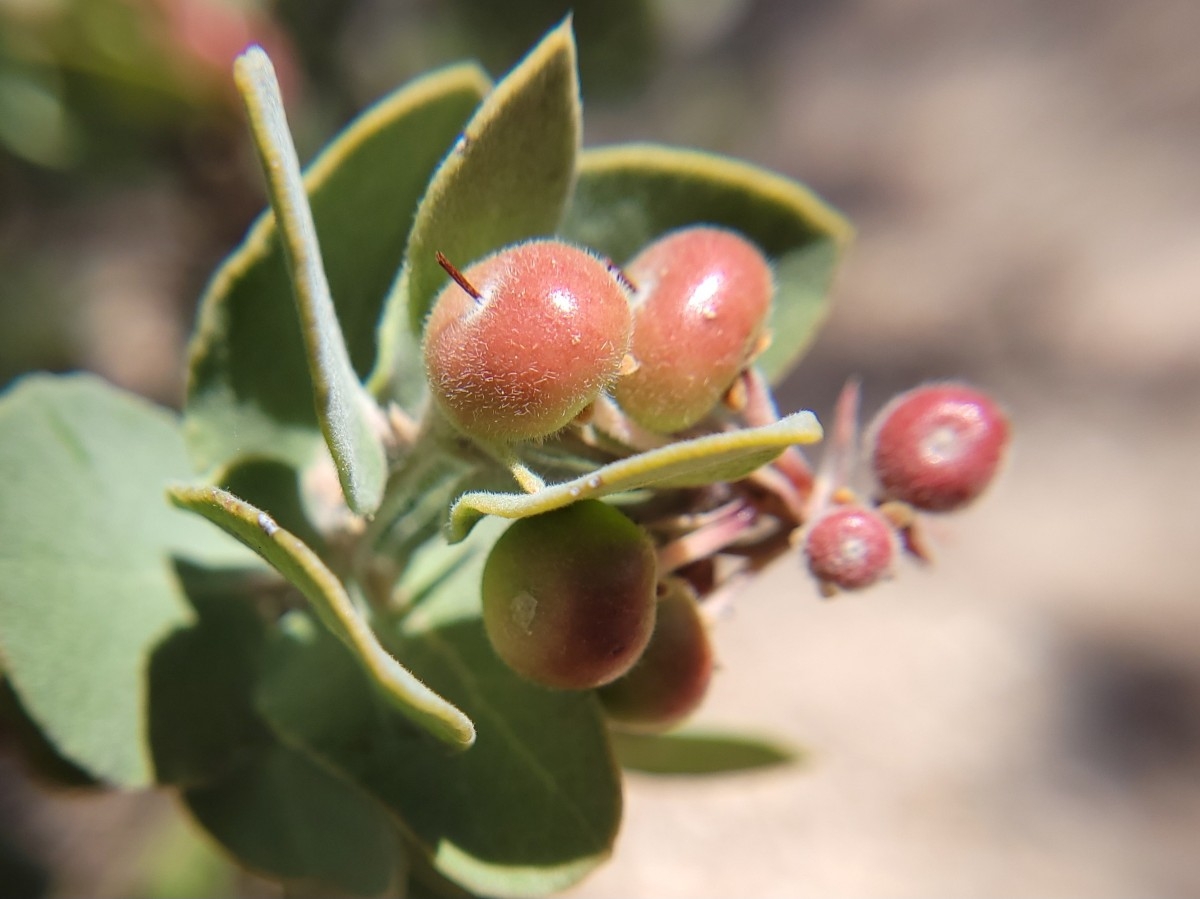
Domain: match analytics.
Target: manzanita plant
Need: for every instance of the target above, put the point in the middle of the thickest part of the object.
(488, 487)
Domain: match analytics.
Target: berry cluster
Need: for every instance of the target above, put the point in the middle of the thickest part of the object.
(546, 344)
(932, 449)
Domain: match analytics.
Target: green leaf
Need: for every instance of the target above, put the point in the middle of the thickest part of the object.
(277, 811)
(269, 484)
(698, 753)
(301, 566)
(284, 815)
(529, 810)
(630, 194)
(349, 418)
(727, 456)
(202, 722)
(86, 584)
(249, 389)
(508, 178)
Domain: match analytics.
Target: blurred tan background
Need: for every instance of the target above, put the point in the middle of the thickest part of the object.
(1022, 719)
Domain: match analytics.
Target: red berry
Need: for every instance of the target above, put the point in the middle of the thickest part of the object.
(568, 596)
(937, 447)
(525, 339)
(671, 678)
(701, 300)
(849, 548)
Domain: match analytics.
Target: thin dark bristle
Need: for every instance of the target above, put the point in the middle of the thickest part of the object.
(459, 278)
(619, 274)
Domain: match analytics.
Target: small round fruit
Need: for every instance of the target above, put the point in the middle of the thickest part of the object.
(522, 341)
(937, 447)
(568, 596)
(702, 295)
(671, 678)
(849, 548)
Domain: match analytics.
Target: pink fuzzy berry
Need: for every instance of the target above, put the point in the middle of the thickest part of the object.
(522, 341)
(849, 548)
(937, 447)
(700, 309)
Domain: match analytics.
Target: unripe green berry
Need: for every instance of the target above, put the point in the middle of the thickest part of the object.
(849, 548)
(702, 296)
(522, 341)
(937, 447)
(568, 596)
(671, 678)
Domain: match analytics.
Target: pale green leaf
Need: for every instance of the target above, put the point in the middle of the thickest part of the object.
(726, 456)
(349, 419)
(302, 567)
(508, 178)
(87, 586)
(249, 389)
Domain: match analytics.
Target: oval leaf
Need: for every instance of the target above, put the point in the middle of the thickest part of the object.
(628, 195)
(86, 584)
(304, 569)
(727, 456)
(348, 416)
(508, 178)
(249, 389)
(534, 805)
(283, 815)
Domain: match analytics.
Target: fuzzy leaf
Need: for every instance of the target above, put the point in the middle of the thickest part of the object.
(301, 566)
(698, 753)
(726, 456)
(273, 485)
(628, 195)
(507, 179)
(249, 389)
(86, 583)
(285, 815)
(276, 811)
(529, 810)
(349, 418)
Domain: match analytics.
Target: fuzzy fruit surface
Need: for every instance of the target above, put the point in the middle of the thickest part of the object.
(568, 596)
(546, 334)
(849, 548)
(937, 447)
(671, 678)
(700, 307)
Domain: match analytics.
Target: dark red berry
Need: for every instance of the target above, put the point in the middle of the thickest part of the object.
(937, 447)
(849, 548)
(700, 308)
(521, 342)
(569, 596)
(671, 678)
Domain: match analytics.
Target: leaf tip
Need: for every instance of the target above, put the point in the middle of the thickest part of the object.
(804, 427)
(464, 734)
(252, 66)
(253, 55)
